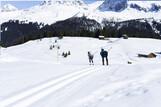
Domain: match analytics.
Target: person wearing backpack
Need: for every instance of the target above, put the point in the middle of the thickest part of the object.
(104, 56)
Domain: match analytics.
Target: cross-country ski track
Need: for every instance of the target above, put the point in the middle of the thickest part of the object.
(32, 95)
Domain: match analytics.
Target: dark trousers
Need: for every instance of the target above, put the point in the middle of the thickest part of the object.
(90, 61)
(103, 60)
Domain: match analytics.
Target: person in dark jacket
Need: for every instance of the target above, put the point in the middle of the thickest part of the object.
(104, 55)
(90, 57)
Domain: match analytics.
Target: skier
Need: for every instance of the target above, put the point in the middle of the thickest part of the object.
(90, 57)
(104, 55)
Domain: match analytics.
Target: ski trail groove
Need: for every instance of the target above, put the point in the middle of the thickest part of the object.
(32, 95)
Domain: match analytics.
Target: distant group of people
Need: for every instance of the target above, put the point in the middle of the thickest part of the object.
(104, 56)
(65, 54)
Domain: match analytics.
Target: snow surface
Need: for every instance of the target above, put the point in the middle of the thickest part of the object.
(32, 75)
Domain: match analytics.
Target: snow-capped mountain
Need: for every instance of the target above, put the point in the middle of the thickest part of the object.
(113, 5)
(8, 8)
(64, 2)
(120, 5)
(51, 11)
(48, 12)
(151, 7)
(128, 13)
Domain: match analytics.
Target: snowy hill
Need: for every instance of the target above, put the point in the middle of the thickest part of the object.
(32, 75)
(51, 11)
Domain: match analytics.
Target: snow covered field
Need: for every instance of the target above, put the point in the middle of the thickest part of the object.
(31, 75)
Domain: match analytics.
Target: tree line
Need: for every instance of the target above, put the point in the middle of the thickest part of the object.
(16, 32)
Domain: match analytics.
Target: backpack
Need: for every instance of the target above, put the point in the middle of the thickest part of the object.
(105, 54)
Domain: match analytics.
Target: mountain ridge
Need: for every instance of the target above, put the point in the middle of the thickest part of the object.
(56, 11)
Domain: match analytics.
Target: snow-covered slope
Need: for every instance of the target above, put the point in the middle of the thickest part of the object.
(51, 11)
(32, 75)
